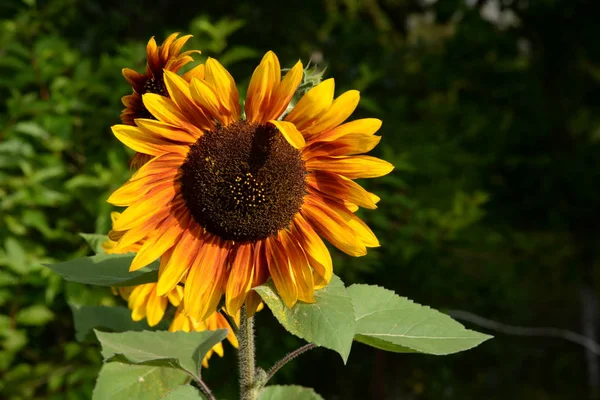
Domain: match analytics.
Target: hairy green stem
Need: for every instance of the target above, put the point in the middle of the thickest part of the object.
(249, 389)
(279, 364)
(206, 390)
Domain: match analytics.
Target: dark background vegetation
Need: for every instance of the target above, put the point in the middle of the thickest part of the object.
(491, 116)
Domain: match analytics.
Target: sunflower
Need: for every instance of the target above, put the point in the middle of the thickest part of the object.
(228, 202)
(167, 57)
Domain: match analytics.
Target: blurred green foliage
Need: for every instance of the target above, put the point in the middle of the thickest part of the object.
(491, 116)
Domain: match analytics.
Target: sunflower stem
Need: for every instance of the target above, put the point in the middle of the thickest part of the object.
(289, 357)
(206, 390)
(249, 389)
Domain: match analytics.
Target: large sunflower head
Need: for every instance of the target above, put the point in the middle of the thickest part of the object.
(228, 202)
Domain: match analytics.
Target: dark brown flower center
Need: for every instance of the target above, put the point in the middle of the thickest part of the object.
(156, 85)
(243, 182)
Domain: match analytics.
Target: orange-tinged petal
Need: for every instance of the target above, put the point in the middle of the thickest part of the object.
(160, 241)
(362, 231)
(224, 84)
(351, 166)
(167, 131)
(204, 284)
(133, 191)
(312, 105)
(143, 210)
(260, 276)
(178, 45)
(332, 226)
(290, 133)
(299, 264)
(339, 111)
(338, 188)
(166, 45)
(159, 165)
(315, 250)
(143, 142)
(240, 277)
(180, 261)
(206, 96)
(179, 90)
(354, 143)
(284, 92)
(279, 268)
(366, 126)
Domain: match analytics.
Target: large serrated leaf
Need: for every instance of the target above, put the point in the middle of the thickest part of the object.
(182, 350)
(115, 319)
(184, 392)
(291, 392)
(329, 322)
(389, 322)
(105, 270)
(136, 382)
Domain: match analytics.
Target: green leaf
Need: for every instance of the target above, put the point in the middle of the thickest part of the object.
(182, 350)
(184, 392)
(329, 322)
(291, 392)
(116, 319)
(105, 270)
(136, 382)
(389, 322)
(35, 315)
(95, 240)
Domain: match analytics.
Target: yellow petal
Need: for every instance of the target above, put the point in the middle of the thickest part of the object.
(163, 109)
(312, 105)
(138, 301)
(284, 92)
(155, 309)
(206, 96)
(339, 111)
(143, 210)
(167, 131)
(220, 79)
(179, 90)
(366, 126)
(265, 79)
(351, 166)
(240, 278)
(196, 72)
(290, 133)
